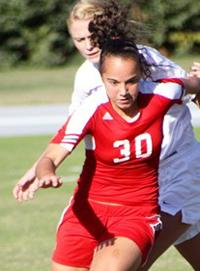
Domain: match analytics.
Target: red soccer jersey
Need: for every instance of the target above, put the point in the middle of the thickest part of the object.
(121, 164)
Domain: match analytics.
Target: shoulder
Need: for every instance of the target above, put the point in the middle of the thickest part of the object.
(161, 66)
(152, 55)
(92, 102)
(171, 88)
(88, 76)
(86, 65)
(87, 68)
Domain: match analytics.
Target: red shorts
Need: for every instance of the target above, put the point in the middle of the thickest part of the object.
(82, 228)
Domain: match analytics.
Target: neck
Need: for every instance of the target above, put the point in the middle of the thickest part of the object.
(128, 113)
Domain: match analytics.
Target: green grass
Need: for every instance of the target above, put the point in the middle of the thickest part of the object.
(36, 86)
(27, 230)
(43, 86)
(185, 61)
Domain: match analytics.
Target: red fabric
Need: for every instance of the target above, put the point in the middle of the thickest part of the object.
(85, 226)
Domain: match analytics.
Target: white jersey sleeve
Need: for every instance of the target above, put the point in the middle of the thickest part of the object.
(79, 119)
(169, 88)
(161, 67)
(87, 81)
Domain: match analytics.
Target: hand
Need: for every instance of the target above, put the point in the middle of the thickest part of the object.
(195, 69)
(50, 181)
(26, 186)
(195, 72)
(196, 99)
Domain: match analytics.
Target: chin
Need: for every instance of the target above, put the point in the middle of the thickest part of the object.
(124, 108)
(125, 105)
(94, 60)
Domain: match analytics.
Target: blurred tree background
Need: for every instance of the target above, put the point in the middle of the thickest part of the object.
(35, 33)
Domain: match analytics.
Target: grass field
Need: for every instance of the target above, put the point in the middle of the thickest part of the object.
(27, 230)
(43, 86)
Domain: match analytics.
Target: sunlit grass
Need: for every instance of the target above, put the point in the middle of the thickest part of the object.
(36, 86)
(43, 86)
(186, 61)
(27, 229)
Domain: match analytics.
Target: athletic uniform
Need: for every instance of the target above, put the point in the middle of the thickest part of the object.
(121, 168)
(179, 181)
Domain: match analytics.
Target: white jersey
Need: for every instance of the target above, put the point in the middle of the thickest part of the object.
(177, 121)
(87, 81)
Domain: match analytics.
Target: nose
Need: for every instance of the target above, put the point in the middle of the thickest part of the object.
(123, 89)
(88, 44)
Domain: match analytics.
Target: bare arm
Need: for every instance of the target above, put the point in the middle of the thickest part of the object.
(46, 167)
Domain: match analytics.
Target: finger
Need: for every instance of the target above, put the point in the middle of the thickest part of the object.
(31, 194)
(194, 73)
(56, 181)
(16, 191)
(20, 196)
(33, 189)
(24, 195)
(44, 183)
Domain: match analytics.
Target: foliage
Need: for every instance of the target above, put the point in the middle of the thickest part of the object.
(173, 24)
(35, 32)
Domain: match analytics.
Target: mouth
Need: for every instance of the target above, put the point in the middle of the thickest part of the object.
(93, 54)
(124, 101)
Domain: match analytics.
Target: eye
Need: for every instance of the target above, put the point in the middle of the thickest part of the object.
(113, 82)
(79, 39)
(133, 80)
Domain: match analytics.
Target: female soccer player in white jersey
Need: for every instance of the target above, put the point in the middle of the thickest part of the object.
(88, 80)
(112, 218)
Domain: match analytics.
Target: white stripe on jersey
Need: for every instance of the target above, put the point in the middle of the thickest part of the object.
(70, 138)
(81, 116)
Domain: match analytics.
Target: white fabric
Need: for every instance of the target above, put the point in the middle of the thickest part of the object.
(161, 66)
(87, 81)
(179, 173)
(177, 129)
(171, 92)
(179, 179)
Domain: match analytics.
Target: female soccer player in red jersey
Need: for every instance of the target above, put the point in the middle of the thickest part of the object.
(114, 214)
(178, 137)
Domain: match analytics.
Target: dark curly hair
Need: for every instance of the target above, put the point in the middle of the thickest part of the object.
(109, 29)
(126, 49)
(113, 22)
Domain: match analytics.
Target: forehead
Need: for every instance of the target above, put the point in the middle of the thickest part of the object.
(79, 28)
(119, 65)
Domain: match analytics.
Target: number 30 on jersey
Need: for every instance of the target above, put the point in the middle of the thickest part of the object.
(125, 150)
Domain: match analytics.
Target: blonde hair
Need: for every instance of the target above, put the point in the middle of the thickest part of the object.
(85, 10)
